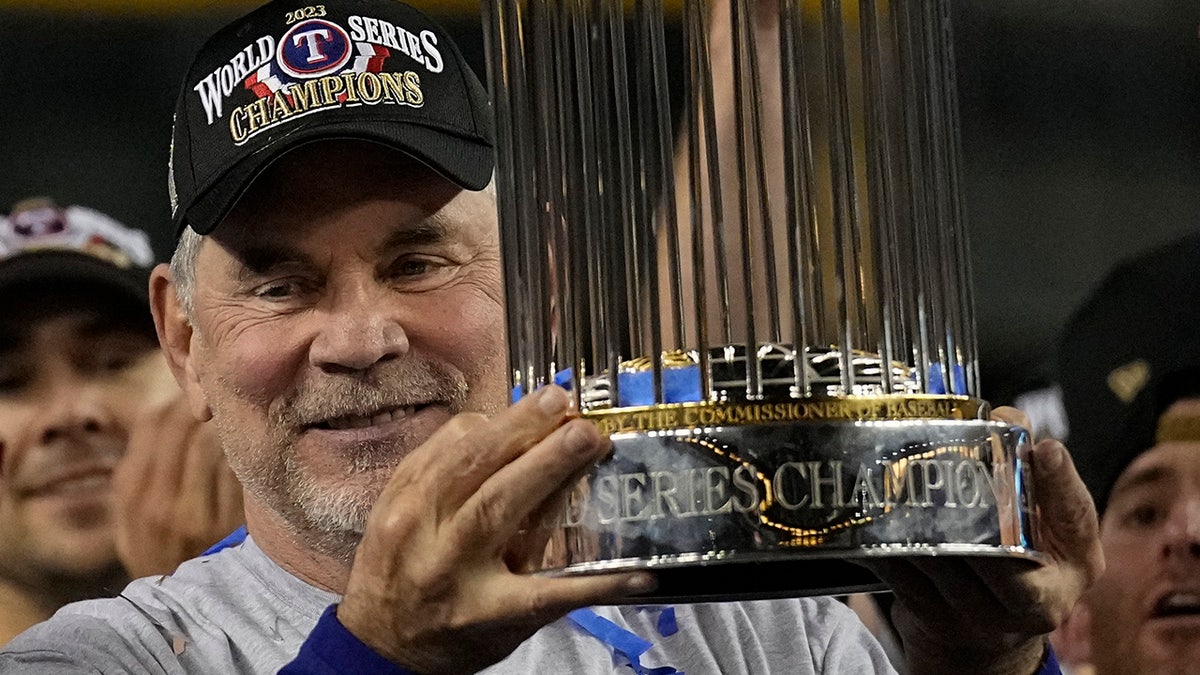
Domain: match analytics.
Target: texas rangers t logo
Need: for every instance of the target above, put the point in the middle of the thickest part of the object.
(312, 48)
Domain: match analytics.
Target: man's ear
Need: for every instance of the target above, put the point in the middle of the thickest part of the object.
(1073, 639)
(175, 338)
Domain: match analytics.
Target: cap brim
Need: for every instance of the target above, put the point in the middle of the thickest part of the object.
(466, 162)
(56, 266)
(1119, 354)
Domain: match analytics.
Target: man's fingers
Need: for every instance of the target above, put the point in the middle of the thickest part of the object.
(546, 599)
(1024, 592)
(490, 445)
(1066, 517)
(504, 502)
(138, 477)
(911, 585)
(1012, 416)
(132, 472)
(526, 551)
(173, 429)
(138, 464)
(198, 483)
(953, 588)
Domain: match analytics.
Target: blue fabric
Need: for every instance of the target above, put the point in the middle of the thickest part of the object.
(937, 383)
(232, 539)
(331, 650)
(627, 646)
(667, 625)
(680, 385)
(1049, 663)
(563, 378)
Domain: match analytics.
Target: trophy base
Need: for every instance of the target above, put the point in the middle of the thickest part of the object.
(765, 500)
(767, 576)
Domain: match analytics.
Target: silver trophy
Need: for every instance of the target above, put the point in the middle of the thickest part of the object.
(733, 230)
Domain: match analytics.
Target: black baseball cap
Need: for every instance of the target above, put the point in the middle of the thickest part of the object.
(1128, 352)
(43, 245)
(293, 72)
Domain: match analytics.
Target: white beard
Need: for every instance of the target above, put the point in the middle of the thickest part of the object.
(330, 512)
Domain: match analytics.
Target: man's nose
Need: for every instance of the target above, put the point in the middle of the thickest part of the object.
(1183, 531)
(359, 330)
(75, 407)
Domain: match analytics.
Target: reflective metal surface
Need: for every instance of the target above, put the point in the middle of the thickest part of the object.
(759, 502)
(760, 288)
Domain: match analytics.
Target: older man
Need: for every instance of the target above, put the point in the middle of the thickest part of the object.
(88, 412)
(335, 307)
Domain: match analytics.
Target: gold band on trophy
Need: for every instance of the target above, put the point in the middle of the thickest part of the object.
(667, 417)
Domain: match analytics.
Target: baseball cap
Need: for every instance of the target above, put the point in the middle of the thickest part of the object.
(1128, 352)
(292, 72)
(43, 244)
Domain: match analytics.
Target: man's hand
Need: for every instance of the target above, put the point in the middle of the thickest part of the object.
(437, 583)
(173, 491)
(986, 616)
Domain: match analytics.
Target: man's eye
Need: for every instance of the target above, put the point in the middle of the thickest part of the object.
(12, 382)
(413, 267)
(421, 272)
(1144, 515)
(117, 362)
(278, 290)
(109, 356)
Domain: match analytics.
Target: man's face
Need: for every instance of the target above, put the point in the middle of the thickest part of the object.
(74, 375)
(344, 311)
(1145, 609)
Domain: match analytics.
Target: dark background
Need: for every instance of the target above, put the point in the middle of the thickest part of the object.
(1080, 136)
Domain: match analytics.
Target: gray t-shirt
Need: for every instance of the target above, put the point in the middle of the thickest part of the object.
(238, 612)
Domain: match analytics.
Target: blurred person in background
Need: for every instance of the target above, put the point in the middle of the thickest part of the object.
(1129, 371)
(103, 473)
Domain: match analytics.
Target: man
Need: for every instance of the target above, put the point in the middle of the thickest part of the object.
(81, 381)
(335, 307)
(1133, 401)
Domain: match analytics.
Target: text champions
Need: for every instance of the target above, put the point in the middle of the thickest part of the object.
(825, 486)
(219, 85)
(327, 92)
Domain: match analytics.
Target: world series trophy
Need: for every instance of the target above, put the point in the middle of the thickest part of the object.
(733, 231)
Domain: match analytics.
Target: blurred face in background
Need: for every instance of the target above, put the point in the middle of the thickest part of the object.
(75, 371)
(1145, 609)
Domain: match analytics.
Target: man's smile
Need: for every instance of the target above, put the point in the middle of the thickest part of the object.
(1177, 604)
(380, 425)
(369, 419)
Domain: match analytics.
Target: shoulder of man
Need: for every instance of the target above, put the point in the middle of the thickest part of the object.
(109, 635)
(227, 613)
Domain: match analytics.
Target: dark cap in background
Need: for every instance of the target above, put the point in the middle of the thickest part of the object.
(1129, 351)
(42, 244)
(293, 72)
